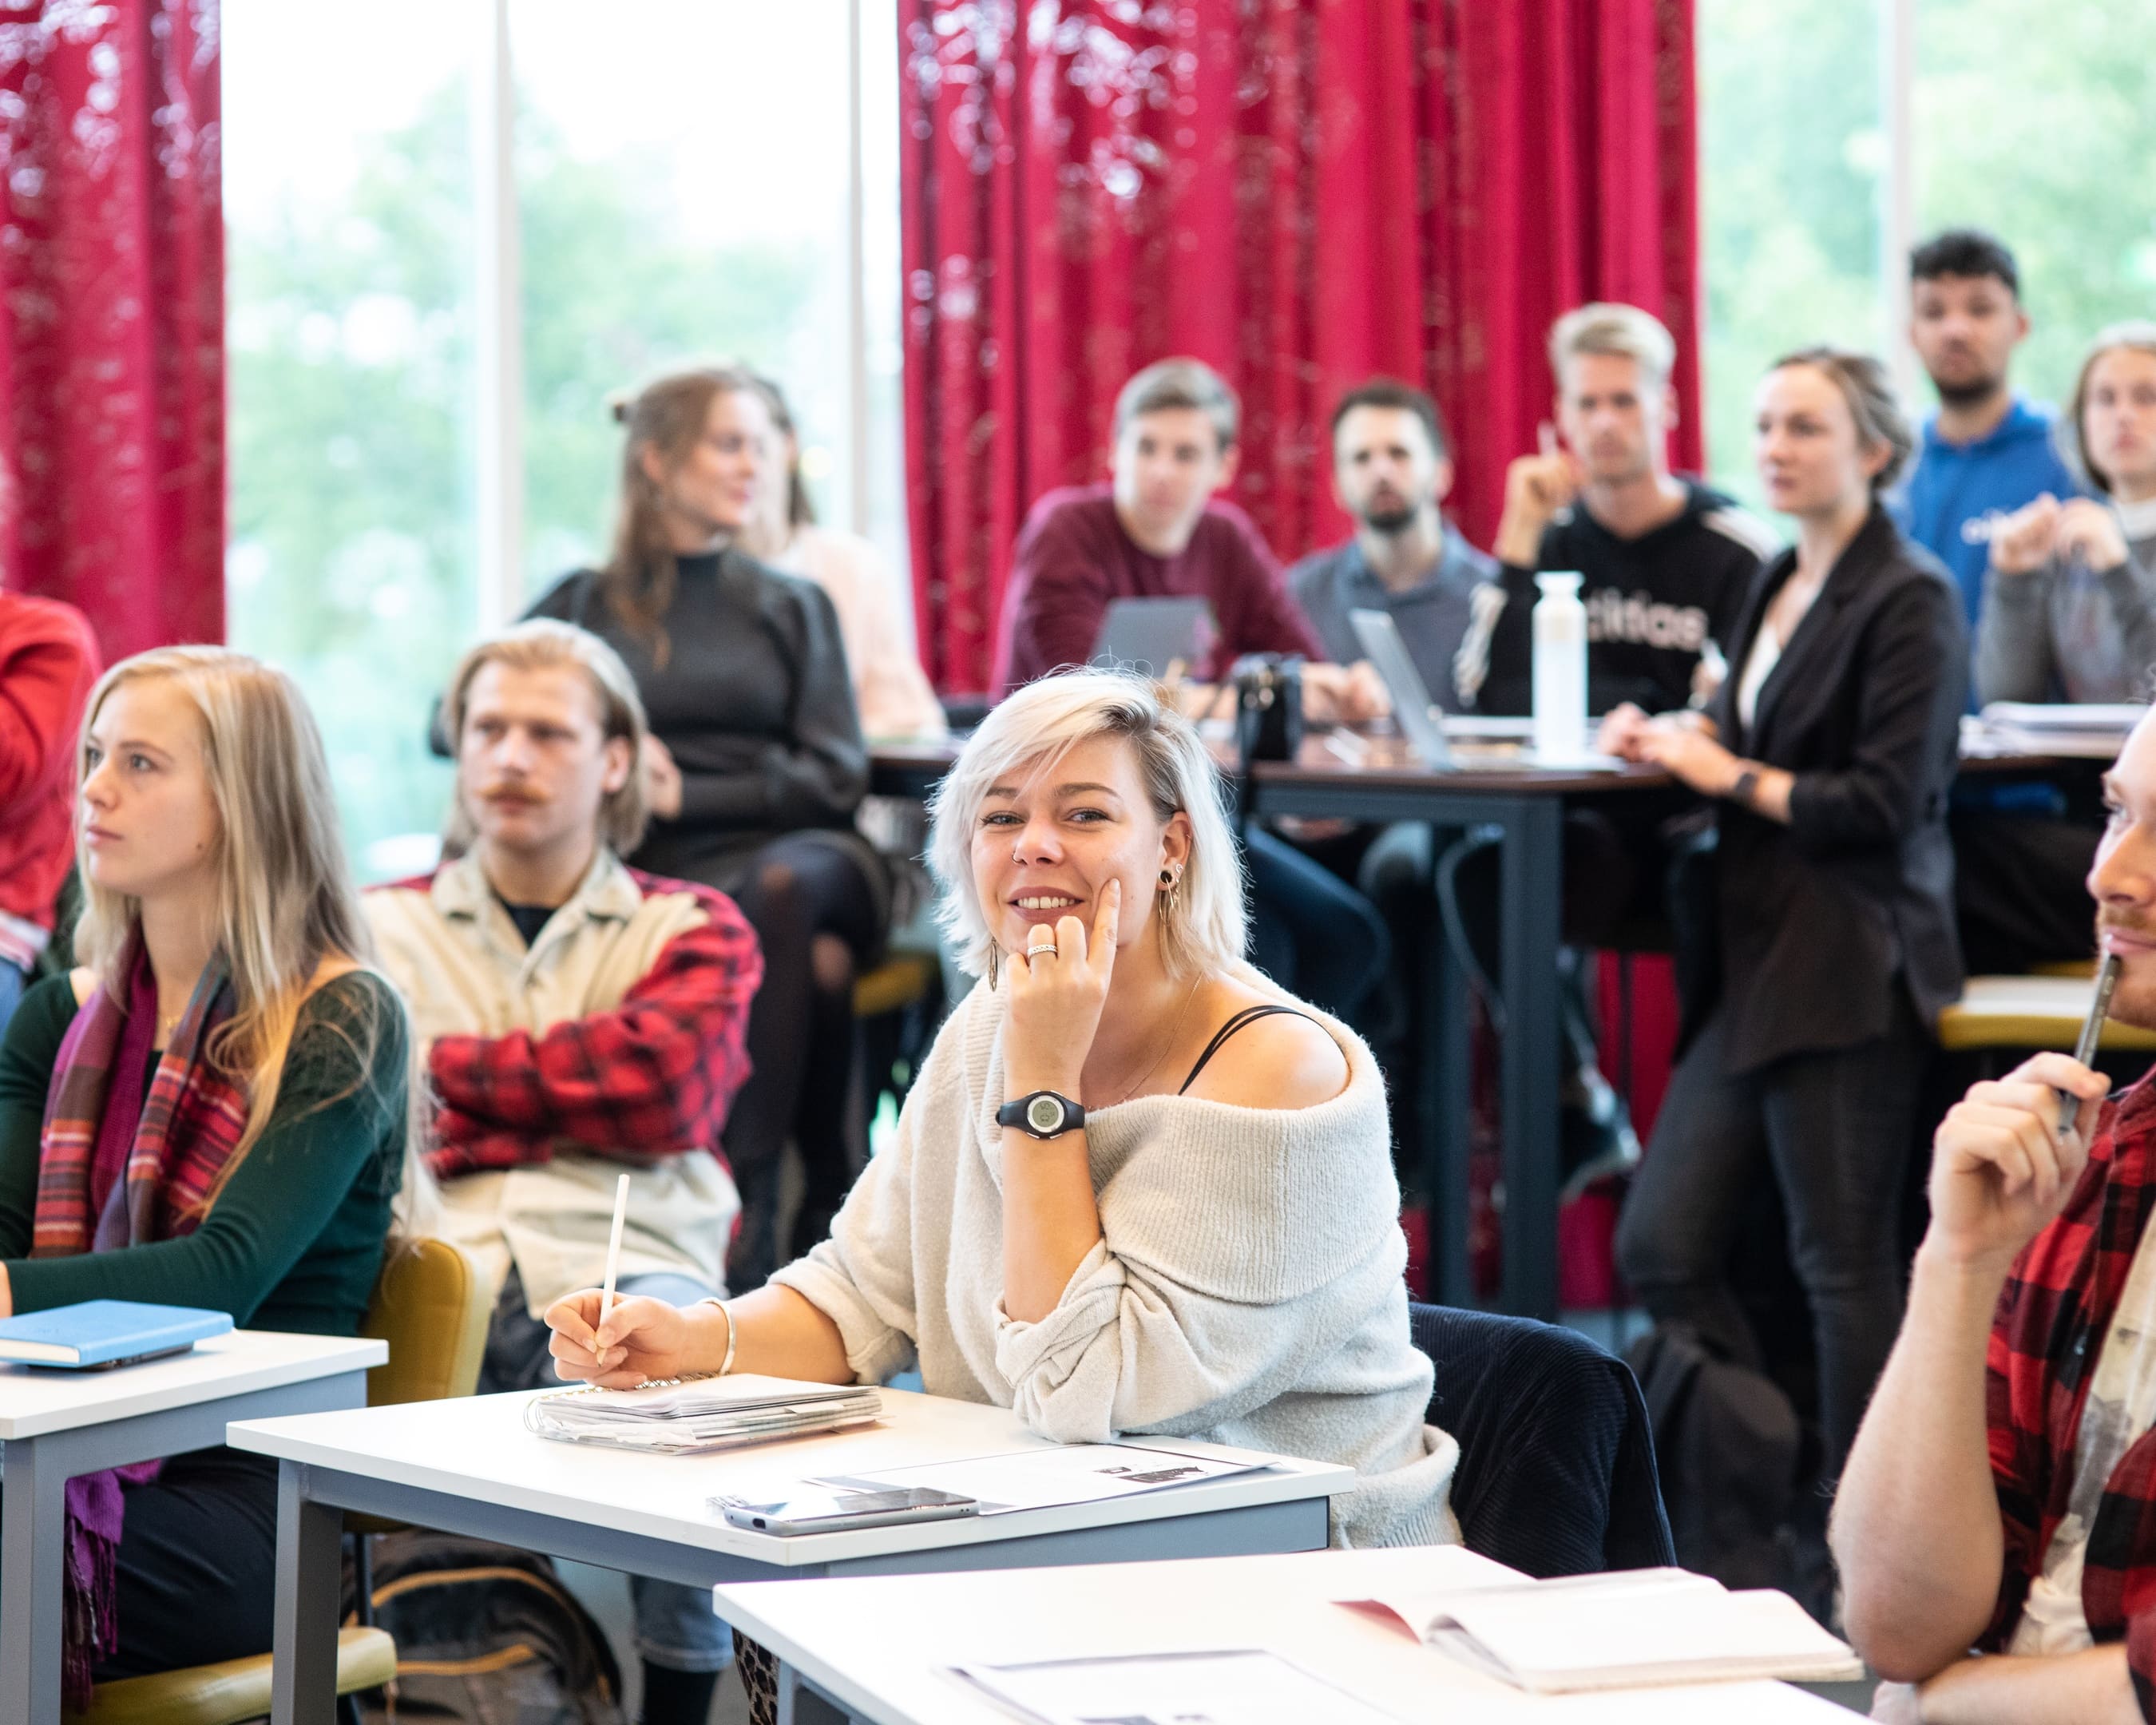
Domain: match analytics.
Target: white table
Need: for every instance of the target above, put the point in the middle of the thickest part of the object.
(56, 1425)
(469, 1466)
(877, 1652)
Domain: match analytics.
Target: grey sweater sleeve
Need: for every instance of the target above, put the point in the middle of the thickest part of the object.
(2131, 588)
(2013, 656)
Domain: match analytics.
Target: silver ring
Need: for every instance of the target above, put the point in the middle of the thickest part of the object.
(1034, 949)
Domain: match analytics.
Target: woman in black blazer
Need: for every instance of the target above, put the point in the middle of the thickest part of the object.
(1830, 749)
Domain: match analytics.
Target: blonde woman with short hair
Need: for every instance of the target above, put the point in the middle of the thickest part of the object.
(211, 1113)
(1136, 1187)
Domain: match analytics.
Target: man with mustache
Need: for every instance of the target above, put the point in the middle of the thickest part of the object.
(1392, 468)
(2001, 1494)
(1666, 561)
(579, 1019)
(1986, 452)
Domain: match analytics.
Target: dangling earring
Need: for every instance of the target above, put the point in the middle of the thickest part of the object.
(1171, 891)
(994, 953)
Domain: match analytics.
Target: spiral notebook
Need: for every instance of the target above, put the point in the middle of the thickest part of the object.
(686, 1416)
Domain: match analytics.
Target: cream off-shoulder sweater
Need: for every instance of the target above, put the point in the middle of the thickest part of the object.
(1247, 1289)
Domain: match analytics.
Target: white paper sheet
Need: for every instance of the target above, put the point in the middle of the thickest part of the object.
(1233, 1687)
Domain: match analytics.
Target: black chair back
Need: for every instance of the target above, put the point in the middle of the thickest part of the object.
(1556, 1459)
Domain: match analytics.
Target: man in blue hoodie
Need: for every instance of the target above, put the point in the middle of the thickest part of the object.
(1986, 451)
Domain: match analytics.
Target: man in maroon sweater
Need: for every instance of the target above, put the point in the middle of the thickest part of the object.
(48, 662)
(1157, 530)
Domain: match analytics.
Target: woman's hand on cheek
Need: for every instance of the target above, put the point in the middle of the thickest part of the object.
(1055, 1003)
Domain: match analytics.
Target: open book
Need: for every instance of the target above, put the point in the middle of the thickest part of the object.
(1632, 1627)
(681, 1415)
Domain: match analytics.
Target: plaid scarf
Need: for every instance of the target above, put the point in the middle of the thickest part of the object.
(117, 1170)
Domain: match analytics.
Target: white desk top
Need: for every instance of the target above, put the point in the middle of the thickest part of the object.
(477, 1448)
(34, 1402)
(882, 1645)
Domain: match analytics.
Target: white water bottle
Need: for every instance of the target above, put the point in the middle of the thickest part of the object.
(1560, 671)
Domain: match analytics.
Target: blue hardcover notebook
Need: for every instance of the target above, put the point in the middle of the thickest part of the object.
(105, 1333)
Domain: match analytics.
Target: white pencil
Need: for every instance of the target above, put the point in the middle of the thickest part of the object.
(613, 1248)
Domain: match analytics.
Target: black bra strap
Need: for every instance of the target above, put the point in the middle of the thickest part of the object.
(1248, 1016)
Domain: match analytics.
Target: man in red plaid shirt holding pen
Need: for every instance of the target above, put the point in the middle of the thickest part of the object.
(579, 1019)
(2002, 1492)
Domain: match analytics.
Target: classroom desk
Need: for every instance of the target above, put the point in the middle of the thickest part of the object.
(56, 1425)
(876, 1652)
(469, 1466)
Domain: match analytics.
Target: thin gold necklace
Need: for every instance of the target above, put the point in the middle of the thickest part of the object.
(1188, 998)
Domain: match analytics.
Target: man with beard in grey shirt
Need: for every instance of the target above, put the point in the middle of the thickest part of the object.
(1392, 468)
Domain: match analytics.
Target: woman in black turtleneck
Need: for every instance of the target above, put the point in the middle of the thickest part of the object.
(755, 768)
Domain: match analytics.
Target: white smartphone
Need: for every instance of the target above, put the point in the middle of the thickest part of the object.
(836, 1511)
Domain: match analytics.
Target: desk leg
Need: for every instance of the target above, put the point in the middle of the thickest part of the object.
(33, 1530)
(303, 1678)
(1532, 908)
(1445, 1111)
(802, 1703)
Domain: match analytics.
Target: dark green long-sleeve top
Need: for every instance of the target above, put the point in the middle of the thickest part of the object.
(295, 1240)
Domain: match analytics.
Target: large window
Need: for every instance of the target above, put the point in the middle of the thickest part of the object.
(683, 178)
(2032, 118)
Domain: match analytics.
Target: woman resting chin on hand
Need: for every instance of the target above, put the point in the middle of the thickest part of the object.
(1136, 1187)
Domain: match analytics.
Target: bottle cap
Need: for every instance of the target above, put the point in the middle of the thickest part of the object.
(1559, 583)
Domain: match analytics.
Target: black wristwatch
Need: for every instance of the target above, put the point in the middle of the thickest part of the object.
(1748, 781)
(1043, 1114)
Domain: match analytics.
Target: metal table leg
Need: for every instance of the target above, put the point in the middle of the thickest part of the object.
(1530, 913)
(303, 1679)
(33, 1527)
(1444, 1116)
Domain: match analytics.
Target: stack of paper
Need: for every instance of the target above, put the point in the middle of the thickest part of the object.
(1639, 1626)
(684, 1414)
(2025, 728)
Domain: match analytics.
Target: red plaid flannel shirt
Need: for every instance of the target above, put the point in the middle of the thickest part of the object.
(2053, 1316)
(653, 1077)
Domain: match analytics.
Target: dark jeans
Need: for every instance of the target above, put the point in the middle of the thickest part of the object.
(195, 1574)
(1834, 1129)
(1309, 931)
(800, 1045)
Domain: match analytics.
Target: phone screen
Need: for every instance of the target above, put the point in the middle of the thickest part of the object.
(832, 1506)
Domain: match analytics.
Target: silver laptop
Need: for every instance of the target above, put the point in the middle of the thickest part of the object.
(1379, 637)
(1149, 635)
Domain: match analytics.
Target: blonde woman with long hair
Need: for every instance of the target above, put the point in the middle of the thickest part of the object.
(211, 1112)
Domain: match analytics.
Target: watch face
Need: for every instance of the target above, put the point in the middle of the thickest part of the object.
(1044, 1114)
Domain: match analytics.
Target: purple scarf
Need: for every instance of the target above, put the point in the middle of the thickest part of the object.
(147, 1161)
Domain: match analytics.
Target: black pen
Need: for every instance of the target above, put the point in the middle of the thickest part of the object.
(2106, 980)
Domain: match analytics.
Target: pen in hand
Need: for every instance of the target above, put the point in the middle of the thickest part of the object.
(2107, 980)
(613, 1249)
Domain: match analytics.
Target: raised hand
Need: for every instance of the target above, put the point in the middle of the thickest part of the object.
(1057, 994)
(1536, 487)
(642, 1339)
(2001, 1169)
(2088, 531)
(2023, 541)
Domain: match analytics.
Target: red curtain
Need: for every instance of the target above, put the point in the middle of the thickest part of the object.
(1300, 192)
(112, 315)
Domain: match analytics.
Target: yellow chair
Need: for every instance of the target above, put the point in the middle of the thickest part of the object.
(236, 1689)
(432, 1308)
(901, 979)
(2028, 1013)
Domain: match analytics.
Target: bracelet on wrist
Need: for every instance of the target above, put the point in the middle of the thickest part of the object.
(725, 1364)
